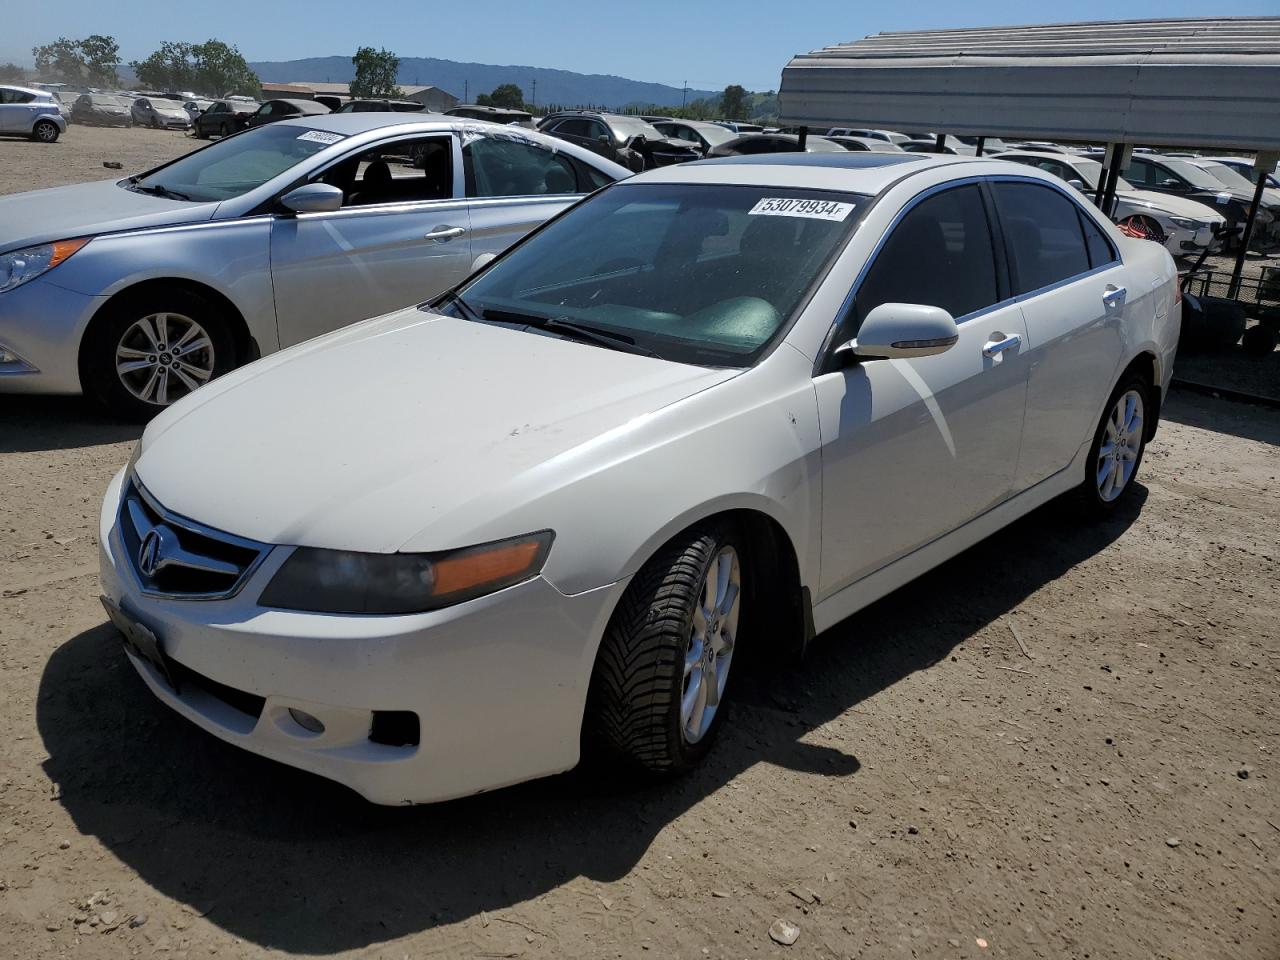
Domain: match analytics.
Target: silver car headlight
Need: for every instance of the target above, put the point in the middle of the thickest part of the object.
(19, 266)
(344, 581)
(1185, 223)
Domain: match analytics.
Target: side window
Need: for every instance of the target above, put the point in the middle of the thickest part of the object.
(950, 234)
(573, 127)
(407, 171)
(1042, 234)
(509, 168)
(596, 130)
(1101, 252)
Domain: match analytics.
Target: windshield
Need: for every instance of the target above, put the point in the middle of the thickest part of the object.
(1228, 176)
(1192, 174)
(234, 166)
(702, 274)
(105, 101)
(715, 134)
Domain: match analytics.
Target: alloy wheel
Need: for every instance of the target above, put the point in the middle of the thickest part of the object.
(46, 132)
(163, 357)
(1118, 452)
(709, 653)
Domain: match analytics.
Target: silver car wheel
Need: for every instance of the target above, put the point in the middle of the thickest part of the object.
(709, 653)
(163, 357)
(46, 132)
(1121, 444)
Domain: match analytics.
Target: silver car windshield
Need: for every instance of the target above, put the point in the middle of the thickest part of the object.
(234, 166)
(704, 274)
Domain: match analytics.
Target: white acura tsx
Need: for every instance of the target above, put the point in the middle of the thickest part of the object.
(720, 405)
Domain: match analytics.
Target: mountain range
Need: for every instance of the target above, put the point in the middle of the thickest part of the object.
(466, 81)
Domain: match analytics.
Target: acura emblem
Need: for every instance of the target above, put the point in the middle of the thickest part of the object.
(149, 553)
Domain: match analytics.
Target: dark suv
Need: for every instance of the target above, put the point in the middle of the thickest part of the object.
(630, 141)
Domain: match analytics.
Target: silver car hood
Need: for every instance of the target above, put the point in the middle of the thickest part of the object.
(88, 209)
(381, 436)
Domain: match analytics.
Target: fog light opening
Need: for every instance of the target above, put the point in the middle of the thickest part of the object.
(306, 721)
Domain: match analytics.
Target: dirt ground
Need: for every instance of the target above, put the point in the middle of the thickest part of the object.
(917, 787)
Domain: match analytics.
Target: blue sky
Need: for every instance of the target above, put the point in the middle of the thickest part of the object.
(709, 43)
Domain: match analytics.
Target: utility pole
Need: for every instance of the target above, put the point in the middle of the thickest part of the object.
(533, 97)
(466, 91)
(684, 95)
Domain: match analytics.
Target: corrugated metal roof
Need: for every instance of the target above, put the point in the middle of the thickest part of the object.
(1201, 82)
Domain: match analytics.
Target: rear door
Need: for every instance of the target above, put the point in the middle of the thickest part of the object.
(1070, 282)
(401, 237)
(913, 449)
(513, 185)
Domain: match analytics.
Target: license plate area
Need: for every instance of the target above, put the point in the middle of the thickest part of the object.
(141, 641)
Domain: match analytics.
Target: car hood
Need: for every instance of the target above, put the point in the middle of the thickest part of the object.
(178, 111)
(394, 430)
(1168, 203)
(88, 209)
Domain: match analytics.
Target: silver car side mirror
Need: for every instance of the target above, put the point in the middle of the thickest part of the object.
(902, 331)
(313, 198)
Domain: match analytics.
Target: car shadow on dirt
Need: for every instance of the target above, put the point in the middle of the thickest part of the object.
(31, 424)
(1246, 420)
(289, 861)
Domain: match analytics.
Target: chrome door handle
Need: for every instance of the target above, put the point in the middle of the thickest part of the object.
(1113, 295)
(444, 234)
(994, 346)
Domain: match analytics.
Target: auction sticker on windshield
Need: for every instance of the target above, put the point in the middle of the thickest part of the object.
(320, 136)
(791, 207)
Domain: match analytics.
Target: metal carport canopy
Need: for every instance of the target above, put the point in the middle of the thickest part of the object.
(1200, 82)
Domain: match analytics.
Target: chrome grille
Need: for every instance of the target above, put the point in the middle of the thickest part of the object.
(178, 558)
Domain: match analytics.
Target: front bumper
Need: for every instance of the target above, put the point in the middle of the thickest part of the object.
(42, 324)
(498, 684)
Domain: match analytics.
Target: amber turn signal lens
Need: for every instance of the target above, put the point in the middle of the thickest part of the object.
(472, 568)
(65, 248)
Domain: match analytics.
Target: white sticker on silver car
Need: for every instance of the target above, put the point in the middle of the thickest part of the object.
(320, 136)
(809, 209)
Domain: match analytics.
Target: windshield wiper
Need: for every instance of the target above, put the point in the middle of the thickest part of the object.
(158, 190)
(601, 337)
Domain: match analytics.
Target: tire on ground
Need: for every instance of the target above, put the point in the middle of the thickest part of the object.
(1088, 493)
(98, 352)
(633, 703)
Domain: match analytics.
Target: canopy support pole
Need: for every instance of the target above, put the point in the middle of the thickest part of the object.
(981, 143)
(804, 139)
(1233, 291)
(939, 143)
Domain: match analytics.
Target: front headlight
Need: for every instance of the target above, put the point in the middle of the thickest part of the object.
(343, 581)
(19, 266)
(1184, 223)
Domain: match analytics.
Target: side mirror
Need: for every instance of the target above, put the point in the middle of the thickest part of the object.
(902, 331)
(313, 198)
(1078, 184)
(603, 141)
(1171, 184)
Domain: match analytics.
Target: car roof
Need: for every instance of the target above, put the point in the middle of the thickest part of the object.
(1067, 158)
(38, 92)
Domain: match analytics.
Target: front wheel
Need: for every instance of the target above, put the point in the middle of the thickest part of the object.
(661, 677)
(1117, 448)
(145, 353)
(45, 131)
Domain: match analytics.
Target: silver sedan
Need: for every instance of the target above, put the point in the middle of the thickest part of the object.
(138, 291)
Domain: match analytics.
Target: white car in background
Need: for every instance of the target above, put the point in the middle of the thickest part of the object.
(1185, 227)
(720, 405)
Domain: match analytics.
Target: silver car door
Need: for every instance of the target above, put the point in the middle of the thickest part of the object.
(1070, 282)
(913, 449)
(401, 237)
(514, 185)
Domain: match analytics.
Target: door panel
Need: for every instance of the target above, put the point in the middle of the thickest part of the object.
(1073, 340)
(497, 223)
(332, 269)
(913, 449)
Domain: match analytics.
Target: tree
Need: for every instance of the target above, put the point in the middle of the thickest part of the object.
(376, 72)
(733, 102)
(101, 54)
(212, 68)
(506, 95)
(12, 73)
(91, 60)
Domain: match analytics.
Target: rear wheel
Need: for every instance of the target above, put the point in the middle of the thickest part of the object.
(145, 353)
(661, 677)
(224, 130)
(1117, 446)
(45, 131)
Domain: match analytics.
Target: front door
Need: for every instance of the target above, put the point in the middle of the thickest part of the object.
(913, 449)
(401, 237)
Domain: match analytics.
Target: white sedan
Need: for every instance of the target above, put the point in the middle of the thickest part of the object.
(720, 405)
